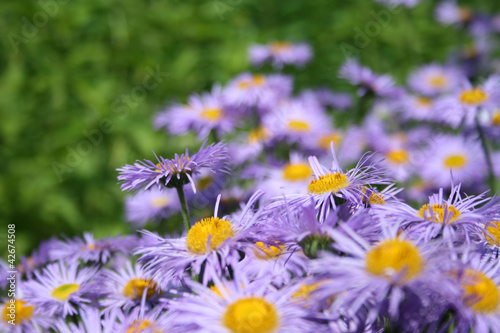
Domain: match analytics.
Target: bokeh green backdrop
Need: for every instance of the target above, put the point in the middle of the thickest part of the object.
(72, 72)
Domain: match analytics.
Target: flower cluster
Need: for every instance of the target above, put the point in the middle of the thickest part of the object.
(314, 211)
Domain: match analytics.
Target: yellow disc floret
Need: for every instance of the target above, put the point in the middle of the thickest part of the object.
(332, 182)
(21, 310)
(438, 212)
(474, 96)
(324, 141)
(278, 47)
(298, 126)
(493, 232)
(251, 315)
(143, 325)
(297, 172)
(455, 161)
(135, 288)
(481, 294)
(63, 292)
(438, 81)
(395, 256)
(217, 229)
(266, 251)
(397, 156)
(212, 114)
(258, 135)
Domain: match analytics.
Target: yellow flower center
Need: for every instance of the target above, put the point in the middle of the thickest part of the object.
(251, 315)
(304, 292)
(474, 96)
(160, 202)
(456, 161)
(481, 294)
(266, 251)
(297, 172)
(438, 211)
(495, 120)
(143, 325)
(332, 182)
(397, 156)
(217, 229)
(63, 292)
(256, 80)
(494, 230)
(257, 135)
(211, 114)
(377, 198)
(424, 102)
(22, 311)
(204, 183)
(438, 81)
(325, 140)
(134, 288)
(298, 126)
(394, 256)
(278, 47)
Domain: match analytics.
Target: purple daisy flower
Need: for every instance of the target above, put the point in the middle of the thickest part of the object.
(202, 114)
(211, 242)
(381, 85)
(450, 158)
(88, 249)
(458, 218)
(261, 91)
(239, 306)
(175, 172)
(462, 106)
(127, 288)
(280, 53)
(151, 205)
(434, 79)
(379, 275)
(449, 12)
(61, 289)
(331, 183)
(478, 280)
(296, 120)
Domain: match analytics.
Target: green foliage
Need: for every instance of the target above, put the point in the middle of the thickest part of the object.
(72, 74)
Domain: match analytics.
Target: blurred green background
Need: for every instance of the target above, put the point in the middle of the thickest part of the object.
(71, 67)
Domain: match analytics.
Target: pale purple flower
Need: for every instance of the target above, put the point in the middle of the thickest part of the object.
(280, 54)
(151, 205)
(175, 172)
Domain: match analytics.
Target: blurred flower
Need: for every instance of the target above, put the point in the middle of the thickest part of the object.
(260, 91)
(452, 158)
(88, 249)
(151, 205)
(202, 114)
(280, 53)
(434, 79)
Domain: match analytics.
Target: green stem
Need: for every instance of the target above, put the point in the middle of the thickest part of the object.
(184, 207)
(487, 155)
